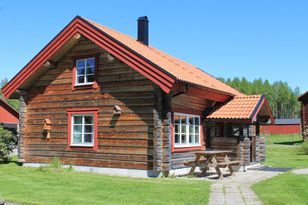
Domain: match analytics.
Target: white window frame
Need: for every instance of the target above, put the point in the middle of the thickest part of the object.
(85, 72)
(187, 144)
(83, 144)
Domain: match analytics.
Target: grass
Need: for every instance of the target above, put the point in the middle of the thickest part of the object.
(289, 139)
(287, 188)
(285, 151)
(33, 186)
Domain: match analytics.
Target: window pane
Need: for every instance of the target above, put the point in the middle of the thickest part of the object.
(197, 137)
(183, 138)
(183, 128)
(177, 129)
(197, 121)
(176, 119)
(80, 79)
(90, 78)
(77, 120)
(88, 138)
(176, 138)
(90, 62)
(77, 139)
(90, 70)
(191, 129)
(77, 129)
(88, 120)
(88, 129)
(80, 71)
(191, 120)
(191, 138)
(197, 129)
(183, 119)
(80, 63)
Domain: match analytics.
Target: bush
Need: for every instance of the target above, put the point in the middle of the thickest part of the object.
(305, 147)
(7, 144)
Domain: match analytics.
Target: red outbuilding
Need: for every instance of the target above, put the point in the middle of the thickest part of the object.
(9, 117)
(282, 126)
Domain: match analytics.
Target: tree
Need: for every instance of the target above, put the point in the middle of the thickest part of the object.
(12, 102)
(7, 144)
(3, 82)
(282, 99)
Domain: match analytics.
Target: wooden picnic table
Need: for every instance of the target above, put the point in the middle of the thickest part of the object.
(207, 159)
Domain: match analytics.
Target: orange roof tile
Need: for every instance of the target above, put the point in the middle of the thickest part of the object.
(181, 70)
(240, 107)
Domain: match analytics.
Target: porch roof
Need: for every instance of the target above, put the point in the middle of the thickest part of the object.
(243, 108)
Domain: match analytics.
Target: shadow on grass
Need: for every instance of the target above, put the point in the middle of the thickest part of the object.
(289, 142)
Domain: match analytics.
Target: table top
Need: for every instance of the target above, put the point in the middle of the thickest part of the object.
(212, 152)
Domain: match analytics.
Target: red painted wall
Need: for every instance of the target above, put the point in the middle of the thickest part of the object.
(280, 129)
(7, 114)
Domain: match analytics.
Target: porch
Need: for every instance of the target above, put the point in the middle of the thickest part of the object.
(236, 126)
(233, 126)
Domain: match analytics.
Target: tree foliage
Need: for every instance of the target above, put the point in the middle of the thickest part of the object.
(12, 102)
(282, 99)
(7, 143)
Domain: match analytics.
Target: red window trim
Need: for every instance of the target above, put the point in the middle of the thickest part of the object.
(186, 149)
(71, 112)
(95, 84)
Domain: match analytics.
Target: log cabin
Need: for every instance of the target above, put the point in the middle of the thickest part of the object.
(304, 114)
(104, 101)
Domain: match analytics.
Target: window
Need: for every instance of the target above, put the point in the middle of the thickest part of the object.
(236, 130)
(85, 71)
(186, 130)
(82, 130)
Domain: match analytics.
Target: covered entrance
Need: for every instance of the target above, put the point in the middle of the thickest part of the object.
(235, 126)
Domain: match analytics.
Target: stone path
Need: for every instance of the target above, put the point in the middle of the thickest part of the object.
(236, 190)
(300, 171)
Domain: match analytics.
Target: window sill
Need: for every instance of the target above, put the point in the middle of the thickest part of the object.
(186, 149)
(81, 147)
(85, 86)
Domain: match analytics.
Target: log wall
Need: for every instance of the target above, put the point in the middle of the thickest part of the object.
(187, 103)
(124, 142)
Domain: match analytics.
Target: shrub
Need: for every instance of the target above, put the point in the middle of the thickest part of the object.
(305, 147)
(7, 144)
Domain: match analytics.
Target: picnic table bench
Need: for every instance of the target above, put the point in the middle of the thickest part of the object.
(207, 159)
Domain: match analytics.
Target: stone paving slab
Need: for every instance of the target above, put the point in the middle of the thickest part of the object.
(300, 171)
(236, 190)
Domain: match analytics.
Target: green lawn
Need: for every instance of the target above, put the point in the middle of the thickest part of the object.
(287, 188)
(32, 186)
(285, 151)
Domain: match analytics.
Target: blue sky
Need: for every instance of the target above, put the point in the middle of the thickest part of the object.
(255, 39)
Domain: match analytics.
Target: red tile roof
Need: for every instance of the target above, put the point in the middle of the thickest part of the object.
(181, 70)
(240, 107)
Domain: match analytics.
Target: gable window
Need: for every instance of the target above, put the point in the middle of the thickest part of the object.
(82, 128)
(186, 130)
(85, 71)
